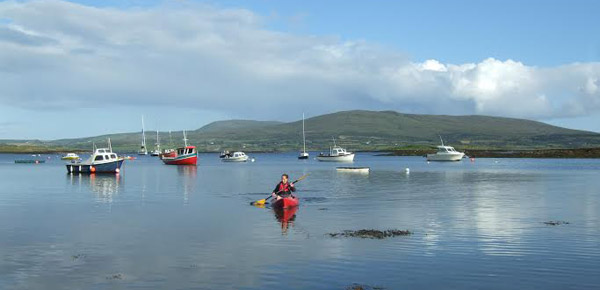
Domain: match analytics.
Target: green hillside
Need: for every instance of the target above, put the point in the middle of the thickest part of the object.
(357, 130)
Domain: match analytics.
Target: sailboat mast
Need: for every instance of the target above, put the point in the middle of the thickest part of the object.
(303, 137)
(143, 134)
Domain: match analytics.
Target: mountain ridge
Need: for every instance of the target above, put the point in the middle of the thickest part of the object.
(356, 130)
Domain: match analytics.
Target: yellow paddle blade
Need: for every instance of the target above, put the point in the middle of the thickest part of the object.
(260, 202)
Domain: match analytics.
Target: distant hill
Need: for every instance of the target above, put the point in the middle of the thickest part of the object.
(359, 130)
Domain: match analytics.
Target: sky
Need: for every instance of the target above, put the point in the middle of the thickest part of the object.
(85, 68)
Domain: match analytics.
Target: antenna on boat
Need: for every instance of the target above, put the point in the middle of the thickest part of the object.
(441, 140)
(109, 145)
(185, 139)
(93, 146)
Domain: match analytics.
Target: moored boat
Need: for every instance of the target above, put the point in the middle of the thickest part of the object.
(286, 202)
(143, 150)
(303, 154)
(103, 160)
(445, 153)
(186, 155)
(354, 169)
(236, 157)
(336, 154)
(70, 156)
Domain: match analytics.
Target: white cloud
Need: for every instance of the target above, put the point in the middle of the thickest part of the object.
(54, 54)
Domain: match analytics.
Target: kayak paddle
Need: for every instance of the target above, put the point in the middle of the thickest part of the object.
(263, 201)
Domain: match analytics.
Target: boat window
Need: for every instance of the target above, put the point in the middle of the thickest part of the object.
(113, 156)
(99, 157)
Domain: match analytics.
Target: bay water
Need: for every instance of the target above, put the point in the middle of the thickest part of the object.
(475, 225)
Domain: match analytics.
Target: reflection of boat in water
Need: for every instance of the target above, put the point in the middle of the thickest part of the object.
(187, 177)
(105, 187)
(286, 216)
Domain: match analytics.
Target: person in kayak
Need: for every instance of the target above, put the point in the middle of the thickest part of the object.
(283, 188)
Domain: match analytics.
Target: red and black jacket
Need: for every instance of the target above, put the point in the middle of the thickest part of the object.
(284, 188)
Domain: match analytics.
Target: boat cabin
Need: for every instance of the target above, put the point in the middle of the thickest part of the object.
(186, 150)
(446, 149)
(337, 151)
(238, 154)
(104, 154)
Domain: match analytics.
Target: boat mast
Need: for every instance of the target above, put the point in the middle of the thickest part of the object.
(441, 140)
(185, 139)
(143, 135)
(303, 137)
(157, 141)
(109, 145)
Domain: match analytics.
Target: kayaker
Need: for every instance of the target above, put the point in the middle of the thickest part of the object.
(283, 188)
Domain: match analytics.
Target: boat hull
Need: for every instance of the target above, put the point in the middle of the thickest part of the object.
(286, 202)
(344, 158)
(108, 167)
(235, 159)
(303, 155)
(188, 159)
(364, 170)
(445, 157)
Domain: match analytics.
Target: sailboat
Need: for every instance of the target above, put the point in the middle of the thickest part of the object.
(156, 151)
(143, 150)
(303, 154)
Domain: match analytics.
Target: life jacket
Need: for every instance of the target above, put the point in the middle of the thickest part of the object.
(284, 187)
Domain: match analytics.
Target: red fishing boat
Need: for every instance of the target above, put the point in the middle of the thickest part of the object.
(186, 155)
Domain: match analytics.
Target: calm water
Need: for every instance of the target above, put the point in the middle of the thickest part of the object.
(477, 225)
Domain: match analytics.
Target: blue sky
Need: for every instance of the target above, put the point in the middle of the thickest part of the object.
(527, 59)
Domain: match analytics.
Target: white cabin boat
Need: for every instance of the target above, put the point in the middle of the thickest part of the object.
(70, 156)
(445, 153)
(103, 160)
(336, 154)
(236, 157)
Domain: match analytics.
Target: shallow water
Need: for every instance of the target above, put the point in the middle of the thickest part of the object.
(475, 225)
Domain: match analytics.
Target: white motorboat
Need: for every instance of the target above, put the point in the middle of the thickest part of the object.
(336, 154)
(353, 169)
(445, 153)
(143, 150)
(236, 157)
(70, 156)
(303, 154)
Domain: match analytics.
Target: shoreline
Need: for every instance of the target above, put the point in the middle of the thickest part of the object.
(508, 153)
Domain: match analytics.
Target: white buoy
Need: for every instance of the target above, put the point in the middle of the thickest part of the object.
(407, 170)
(252, 160)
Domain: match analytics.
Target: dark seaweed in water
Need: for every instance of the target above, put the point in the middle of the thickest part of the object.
(363, 287)
(371, 234)
(117, 276)
(556, 223)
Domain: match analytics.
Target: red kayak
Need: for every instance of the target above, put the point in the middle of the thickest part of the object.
(286, 202)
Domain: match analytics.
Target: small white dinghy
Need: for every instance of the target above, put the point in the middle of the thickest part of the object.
(353, 169)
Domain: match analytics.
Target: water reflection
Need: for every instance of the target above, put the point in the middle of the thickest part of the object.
(286, 217)
(188, 175)
(105, 187)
